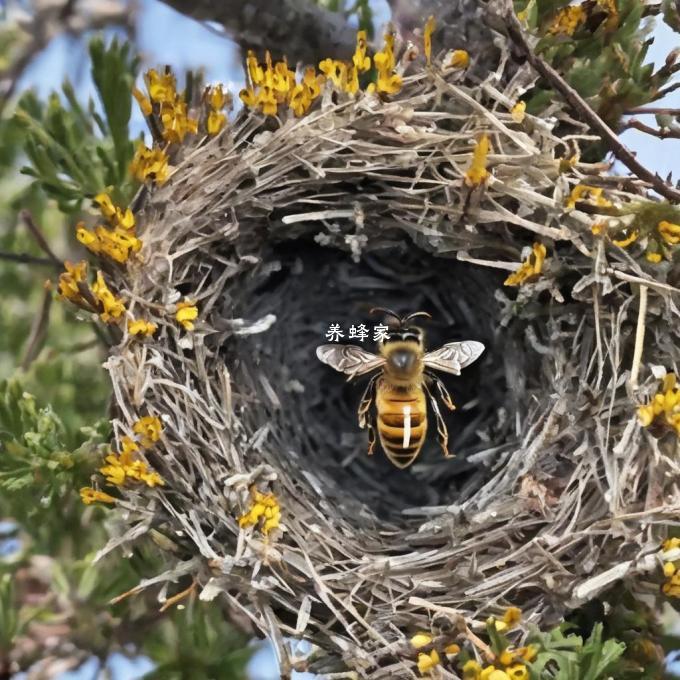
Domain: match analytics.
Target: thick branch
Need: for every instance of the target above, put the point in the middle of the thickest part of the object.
(296, 28)
(583, 109)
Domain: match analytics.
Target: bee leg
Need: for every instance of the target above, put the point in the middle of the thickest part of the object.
(371, 438)
(365, 418)
(443, 392)
(442, 430)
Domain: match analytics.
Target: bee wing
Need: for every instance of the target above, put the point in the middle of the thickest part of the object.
(454, 356)
(349, 359)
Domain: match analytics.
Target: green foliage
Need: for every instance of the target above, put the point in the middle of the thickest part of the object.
(75, 153)
(568, 657)
(196, 642)
(604, 60)
(33, 448)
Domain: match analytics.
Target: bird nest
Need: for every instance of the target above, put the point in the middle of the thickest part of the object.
(278, 228)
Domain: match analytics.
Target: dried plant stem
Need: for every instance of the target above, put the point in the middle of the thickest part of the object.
(639, 338)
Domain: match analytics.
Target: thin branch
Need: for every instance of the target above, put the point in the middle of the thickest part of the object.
(25, 258)
(581, 107)
(39, 237)
(36, 338)
(640, 110)
(661, 133)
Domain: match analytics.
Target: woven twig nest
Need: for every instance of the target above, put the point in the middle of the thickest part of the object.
(279, 228)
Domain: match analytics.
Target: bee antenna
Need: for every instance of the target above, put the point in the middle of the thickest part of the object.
(388, 312)
(406, 319)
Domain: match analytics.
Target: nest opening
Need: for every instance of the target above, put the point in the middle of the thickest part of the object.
(311, 409)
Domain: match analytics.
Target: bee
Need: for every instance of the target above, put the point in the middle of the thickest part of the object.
(402, 384)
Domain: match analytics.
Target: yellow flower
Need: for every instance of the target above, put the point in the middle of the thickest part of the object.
(512, 616)
(162, 88)
(517, 671)
(460, 59)
(493, 673)
(141, 327)
(143, 101)
(567, 20)
(69, 280)
(186, 314)
(361, 61)
(113, 307)
(612, 10)
(176, 123)
(215, 122)
(388, 82)
(334, 70)
(653, 257)
(126, 466)
(420, 640)
(627, 240)
(218, 98)
(264, 512)
(670, 544)
(105, 205)
(587, 193)
(530, 269)
(426, 662)
(664, 406)
(427, 38)
(669, 232)
(149, 164)
(89, 495)
(477, 173)
(669, 569)
(149, 429)
(255, 72)
(518, 111)
(672, 586)
(116, 244)
(471, 670)
(452, 649)
(598, 228)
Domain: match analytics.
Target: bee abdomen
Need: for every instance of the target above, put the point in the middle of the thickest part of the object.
(402, 425)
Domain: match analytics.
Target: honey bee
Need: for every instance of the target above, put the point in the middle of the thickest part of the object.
(402, 385)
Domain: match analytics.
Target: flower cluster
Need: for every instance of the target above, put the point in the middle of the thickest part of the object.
(430, 652)
(69, 280)
(217, 99)
(166, 105)
(113, 307)
(186, 314)
(671, 586)
(118, 240)
(664, 406)
(387, 80)
(477, 173)
(269, 87)
(505, 661)
(126, 466)
(264, 512)
(585, 193)
(567, 20)
(149, 164)
(530, 269)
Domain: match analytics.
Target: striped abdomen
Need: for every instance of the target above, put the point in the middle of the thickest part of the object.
(402, 421)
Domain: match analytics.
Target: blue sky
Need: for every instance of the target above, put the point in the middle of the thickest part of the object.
(166, 37)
